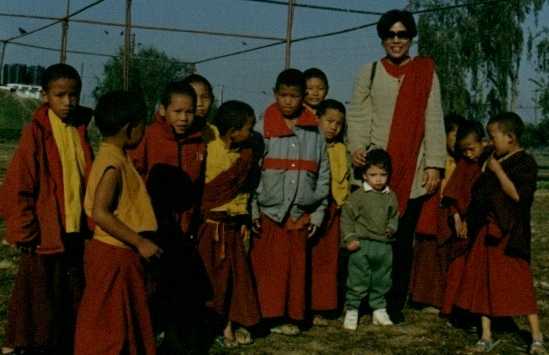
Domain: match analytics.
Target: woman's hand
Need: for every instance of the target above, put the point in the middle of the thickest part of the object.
(359, 157)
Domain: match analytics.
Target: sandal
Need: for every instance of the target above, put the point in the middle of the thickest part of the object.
(484, 346)
(243, 336)
(537, 347)
(286, 329)
(226, 343)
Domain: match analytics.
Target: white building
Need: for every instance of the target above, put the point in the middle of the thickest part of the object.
(23, 90)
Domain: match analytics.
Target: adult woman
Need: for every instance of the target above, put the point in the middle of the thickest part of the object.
(396, 105)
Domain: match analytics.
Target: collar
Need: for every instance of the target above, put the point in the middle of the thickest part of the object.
(275, 126)
(368, 188)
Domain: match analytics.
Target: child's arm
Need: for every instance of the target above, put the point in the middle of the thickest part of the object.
(105, 200)
(322, 189)
(506, 183)
(392, 224)
(349, 236)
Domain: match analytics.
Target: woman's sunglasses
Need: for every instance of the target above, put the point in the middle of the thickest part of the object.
(398, 34)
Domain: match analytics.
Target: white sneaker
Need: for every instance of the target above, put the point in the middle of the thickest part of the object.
(351, 319)
(380, 317)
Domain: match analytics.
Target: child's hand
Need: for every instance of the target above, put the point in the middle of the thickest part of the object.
(245, 233)
(493, 164)
(312, 230)
(256, 226)
(389, 232)
(353, 245)
(147, 249)
(431, 180)
(461, 227)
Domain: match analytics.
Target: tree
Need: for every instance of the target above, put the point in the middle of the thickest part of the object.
(150, 71)
(478, 51)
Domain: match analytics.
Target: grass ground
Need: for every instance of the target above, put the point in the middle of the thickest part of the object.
(422, 333)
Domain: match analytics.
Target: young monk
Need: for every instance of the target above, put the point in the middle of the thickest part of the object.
(113, 317)
(497, 280)
(41, 202)
(325, 248)
(225, 231)
(289, 203)
(317, 88)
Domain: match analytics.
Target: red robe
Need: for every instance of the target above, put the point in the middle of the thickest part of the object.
(497, 280)
(48, 284)
(221, 246)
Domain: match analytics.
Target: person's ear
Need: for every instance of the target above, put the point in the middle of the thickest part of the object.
(162, 110)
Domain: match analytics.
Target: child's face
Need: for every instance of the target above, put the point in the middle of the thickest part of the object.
(451, 140)
(62, 96)
(135, 135)
(471, 147)
(203, 99)
(503, 142)
(179, 113)
(376, 177)
(289, 100)
(315, 91)
(331, 123)
(243, 134)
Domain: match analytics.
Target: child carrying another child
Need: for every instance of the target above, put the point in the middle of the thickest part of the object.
(113, 317)
(225, 231)
(289, 202)
(497, 280)
(368, 221)
(325, 247)
(41, 201)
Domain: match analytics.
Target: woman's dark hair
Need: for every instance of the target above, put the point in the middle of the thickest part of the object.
(391, 17)
(197, 78)
(316, 73)
(116, 109)
(233, 115)
(470, 127)
(59, 71)
(291, 77)
(334, 105)
(177, 88)
(377, 157)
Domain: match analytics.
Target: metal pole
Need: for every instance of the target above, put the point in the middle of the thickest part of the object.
(127, 45)
(4, 43)
(65, 34)
(288, 56)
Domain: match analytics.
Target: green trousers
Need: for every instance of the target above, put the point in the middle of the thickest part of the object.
(369, 274)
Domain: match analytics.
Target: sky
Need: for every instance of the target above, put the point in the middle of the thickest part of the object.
(247, 77)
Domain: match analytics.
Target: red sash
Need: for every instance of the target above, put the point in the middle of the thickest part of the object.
(408, 124)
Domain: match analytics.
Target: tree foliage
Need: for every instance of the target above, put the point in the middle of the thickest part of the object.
(478, 51)
(150, 71)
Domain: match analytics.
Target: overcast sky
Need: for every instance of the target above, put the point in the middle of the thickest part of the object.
(248, 77)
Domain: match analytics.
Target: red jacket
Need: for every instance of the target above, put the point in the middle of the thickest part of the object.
(160, 145)
(31, 197)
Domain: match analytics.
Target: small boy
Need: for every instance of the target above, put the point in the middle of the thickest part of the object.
(289, 203)
(113, 317)
(368, 221)
(497, 279)
(41, 201)
(316, 84)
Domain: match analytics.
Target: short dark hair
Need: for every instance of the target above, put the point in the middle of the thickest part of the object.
(334, 105)
(60, 71)
(453, 121)
(291, 77)
(197, 78)
(316, 73)
(116, 109)
(377, 157)
(177, 88)
(233, 115)
(508, 123)
(468, 128)
(388, 19)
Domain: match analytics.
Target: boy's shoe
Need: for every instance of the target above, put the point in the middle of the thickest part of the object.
(380, 317)
(351, 319)
(537, 347)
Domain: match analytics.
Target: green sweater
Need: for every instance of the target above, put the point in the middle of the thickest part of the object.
(368, 215)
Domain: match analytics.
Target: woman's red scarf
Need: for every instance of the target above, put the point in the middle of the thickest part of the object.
(408, 125)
